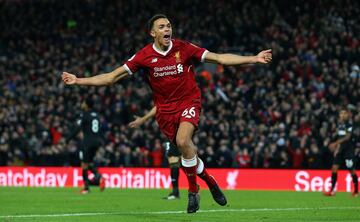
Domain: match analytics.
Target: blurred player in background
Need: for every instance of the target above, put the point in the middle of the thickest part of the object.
(169, 68)
(172, 153)
(89, 124)
(343, 149)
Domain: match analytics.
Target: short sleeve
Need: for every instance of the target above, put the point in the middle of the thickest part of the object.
(196, 52)
(133, 64)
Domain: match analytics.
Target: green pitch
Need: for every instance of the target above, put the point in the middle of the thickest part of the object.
(56, 204)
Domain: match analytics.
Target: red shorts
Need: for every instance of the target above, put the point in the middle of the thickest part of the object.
(170, 117)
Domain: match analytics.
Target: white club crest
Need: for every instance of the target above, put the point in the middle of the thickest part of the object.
(232, 179)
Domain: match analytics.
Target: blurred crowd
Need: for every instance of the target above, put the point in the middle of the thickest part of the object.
(281, 115)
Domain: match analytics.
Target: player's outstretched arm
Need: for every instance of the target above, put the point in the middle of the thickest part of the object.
(98, 80)
(264, 57)
(141, 120)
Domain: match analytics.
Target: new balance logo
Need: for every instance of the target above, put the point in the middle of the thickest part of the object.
(154, 60)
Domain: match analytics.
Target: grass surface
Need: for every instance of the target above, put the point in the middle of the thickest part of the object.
(66, 204)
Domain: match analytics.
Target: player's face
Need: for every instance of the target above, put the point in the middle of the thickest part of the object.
(344, 115)
(162, 32)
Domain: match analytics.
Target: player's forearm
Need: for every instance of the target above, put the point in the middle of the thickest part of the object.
(150, 114)
(98, 80)
(72, 134)
(340, 141)
(230, 59)
(103, 79)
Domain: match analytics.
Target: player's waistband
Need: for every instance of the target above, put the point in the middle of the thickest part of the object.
(176, 106)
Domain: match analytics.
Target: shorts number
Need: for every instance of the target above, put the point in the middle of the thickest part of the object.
(349, 163)
(167, 144)
(95, 126)
(189, 113)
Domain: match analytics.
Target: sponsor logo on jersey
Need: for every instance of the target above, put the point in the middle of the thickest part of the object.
(168, 70)
(154, 60)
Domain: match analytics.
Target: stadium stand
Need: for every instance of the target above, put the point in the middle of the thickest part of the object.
(280, 116)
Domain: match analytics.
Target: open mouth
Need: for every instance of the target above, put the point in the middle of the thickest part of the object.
(167, 38)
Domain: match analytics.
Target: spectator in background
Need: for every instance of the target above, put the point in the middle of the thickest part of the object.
(313, 156)
(355, 71)
(243, 159)
(223, 156)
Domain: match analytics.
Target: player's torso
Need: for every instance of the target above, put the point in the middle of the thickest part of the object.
(90, 125)
(344, 129)
(171, 75)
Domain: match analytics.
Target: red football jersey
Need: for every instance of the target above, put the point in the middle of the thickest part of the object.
(171, 73)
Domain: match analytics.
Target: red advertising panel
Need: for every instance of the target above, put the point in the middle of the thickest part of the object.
(242, 179)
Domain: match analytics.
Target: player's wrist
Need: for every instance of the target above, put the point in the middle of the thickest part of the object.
(77, 81)
(258, 59)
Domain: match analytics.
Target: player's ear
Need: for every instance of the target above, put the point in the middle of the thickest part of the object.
(152, 33)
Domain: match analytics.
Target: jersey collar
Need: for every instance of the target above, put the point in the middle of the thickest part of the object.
(162, 52)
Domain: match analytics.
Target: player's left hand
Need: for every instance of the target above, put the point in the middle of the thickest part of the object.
(264, 56)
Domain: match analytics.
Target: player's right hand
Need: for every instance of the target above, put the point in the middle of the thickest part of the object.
(136, 123)
(68, 78)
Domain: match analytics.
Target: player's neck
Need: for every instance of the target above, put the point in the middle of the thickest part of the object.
(161, 47)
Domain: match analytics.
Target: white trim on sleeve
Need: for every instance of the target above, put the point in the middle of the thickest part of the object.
(127, 69)
(203, 55)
